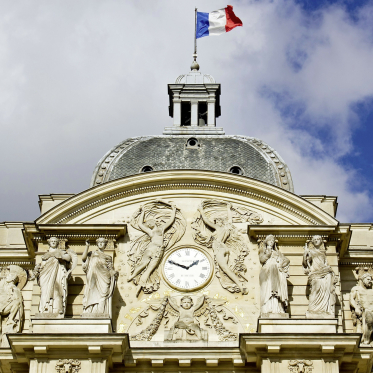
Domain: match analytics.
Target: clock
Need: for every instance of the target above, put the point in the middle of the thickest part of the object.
(187, 269)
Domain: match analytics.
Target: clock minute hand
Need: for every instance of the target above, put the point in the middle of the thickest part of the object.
(194, 263)
(177, 264)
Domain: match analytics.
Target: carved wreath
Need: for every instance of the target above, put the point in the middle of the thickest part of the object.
(68, 366)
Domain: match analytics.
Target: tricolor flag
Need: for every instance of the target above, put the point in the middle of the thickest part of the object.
(217, 22)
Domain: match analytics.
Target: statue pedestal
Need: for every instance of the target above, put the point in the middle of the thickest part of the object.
(297, 326)
(84, 326)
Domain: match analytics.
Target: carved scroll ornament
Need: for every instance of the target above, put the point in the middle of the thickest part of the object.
(68, 366)
(300, 366)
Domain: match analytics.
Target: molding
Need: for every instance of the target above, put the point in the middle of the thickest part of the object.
(160, 181)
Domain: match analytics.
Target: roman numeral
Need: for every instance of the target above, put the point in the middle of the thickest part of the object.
(186, 284)
(187, 252)
(172, 275)
(203, 260)
(178, 254)
(178, 282)
(204, 268)
(202, 275)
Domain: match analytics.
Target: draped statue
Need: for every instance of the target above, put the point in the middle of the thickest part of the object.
(273, 279)
(162, 225)
(321, 279)
(101, 279)
(214, 228)
(11, 301)
(52, 275)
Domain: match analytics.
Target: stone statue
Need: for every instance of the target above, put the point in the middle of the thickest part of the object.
(11, 300)
(101, 279)
(214, 229)
(361, 304)
(273, 279)
(186, 321)
(52, 275)
(163, 225)
(321, 279)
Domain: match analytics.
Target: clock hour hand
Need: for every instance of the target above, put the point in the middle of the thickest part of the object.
(177, 264)
(194, 263)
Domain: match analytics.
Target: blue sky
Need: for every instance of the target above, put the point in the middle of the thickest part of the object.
(79, 77)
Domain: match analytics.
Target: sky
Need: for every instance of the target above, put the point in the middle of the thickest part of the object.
(78, 77)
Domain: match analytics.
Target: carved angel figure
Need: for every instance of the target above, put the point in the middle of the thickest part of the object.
(163, 225)
(361, 303)
(186, 312)
(273, 278)
(321, 279)
(214, 229)
(101, 279)
(11, 300)
(52, 275)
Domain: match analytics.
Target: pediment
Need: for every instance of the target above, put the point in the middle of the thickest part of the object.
(116, 201)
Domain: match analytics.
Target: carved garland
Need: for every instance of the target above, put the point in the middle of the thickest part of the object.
(168, 187)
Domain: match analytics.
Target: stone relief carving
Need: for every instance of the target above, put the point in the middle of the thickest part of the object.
(214, 229)
(68, 366)
(101, 280)
(273, 279)
(321, 279)
(52, 275)
(361, 304)
(300, 366)
(11, 301)
(162, 225)
(187, 326)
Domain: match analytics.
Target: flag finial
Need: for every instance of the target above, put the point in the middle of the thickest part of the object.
(195, 65)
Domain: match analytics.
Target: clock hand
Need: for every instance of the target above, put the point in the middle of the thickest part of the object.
(177, 264)
(194, 263)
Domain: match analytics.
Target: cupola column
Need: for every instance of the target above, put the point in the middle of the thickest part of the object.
(194, 113)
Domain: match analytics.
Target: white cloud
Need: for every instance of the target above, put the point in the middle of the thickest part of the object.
(79, 77)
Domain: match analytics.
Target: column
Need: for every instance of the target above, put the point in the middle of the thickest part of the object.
(194, 113)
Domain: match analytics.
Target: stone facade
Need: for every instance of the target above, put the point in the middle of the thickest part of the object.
(185, 270)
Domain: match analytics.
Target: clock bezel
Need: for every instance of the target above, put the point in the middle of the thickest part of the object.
(199, 287)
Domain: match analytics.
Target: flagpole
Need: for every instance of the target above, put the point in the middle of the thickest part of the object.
(195, 35)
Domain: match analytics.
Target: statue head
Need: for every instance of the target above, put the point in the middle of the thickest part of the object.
(151, 223)
(270, 240)
(12, 277)
(317, 241)
(186, 302)
(53, 242)
(101, 243)
(367, 280)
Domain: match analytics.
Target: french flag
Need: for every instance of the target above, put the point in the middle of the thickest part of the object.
(217, 22)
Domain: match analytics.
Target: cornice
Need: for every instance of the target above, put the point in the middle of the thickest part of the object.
(191, 180)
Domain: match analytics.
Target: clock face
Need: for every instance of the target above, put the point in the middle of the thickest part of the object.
(187, 269)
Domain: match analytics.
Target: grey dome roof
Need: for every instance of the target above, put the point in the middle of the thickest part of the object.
(195, 77)
(253, 157)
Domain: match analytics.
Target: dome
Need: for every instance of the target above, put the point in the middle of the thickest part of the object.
(245, 156)
(195, 77)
